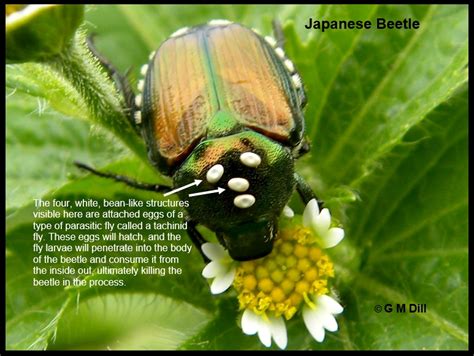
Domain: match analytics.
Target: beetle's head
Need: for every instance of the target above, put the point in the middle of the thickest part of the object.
(249, 241)
(257, 174)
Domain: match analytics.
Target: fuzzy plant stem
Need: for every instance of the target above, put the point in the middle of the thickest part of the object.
(103, 102)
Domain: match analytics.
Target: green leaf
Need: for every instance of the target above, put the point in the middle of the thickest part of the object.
(36, 134)
(389, 81)
(75, 84)
(32, 312)
(387, 117)
(412, 231)
(152, 322)
(34, 79)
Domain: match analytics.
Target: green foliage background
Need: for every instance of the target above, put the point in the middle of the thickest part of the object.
(387, 117)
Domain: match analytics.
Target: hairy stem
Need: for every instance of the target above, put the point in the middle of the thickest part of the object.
(103, 101)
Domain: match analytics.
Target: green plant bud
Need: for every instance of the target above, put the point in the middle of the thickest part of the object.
(40, 32)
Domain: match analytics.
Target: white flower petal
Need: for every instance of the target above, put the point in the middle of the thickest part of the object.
(321, 222)
(249, 322)
(313, 323)
(333, 237)
(329, 322)
(288, 212)
(213, 251)
(223, 281)
(213, 269)
(311, 211)
(264, 333)
(329, 304)
(278, 330)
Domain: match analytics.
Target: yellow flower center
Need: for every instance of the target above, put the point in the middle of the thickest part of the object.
(281, 281)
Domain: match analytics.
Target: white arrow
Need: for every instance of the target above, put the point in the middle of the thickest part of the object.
(218, 191)
(195, 183)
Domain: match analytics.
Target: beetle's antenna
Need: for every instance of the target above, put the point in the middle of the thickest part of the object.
(123, 179)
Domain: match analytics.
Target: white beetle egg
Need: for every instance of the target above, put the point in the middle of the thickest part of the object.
(215, 173)
(238, 184)
(250, 159)
(244, 201)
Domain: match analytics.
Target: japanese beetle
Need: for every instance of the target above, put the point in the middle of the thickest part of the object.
(222, 104)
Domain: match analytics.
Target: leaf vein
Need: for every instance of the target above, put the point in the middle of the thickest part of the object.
(424, 253)
(413, 229)
(386, 179)
(378, 289)
(325, 95)
(385, 147)
(409, 187)
(336, 148)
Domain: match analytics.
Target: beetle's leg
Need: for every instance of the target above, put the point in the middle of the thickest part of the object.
(196, 237)
(121, 81)
(303, 148)
(278, 33)
(305, 191)
(126, 180)
(220, 237)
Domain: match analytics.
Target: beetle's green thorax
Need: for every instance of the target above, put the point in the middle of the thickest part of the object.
(270, 183)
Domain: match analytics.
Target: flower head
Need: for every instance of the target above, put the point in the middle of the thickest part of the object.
(274, 288)
(276, 284)
(292, 280)
(221, 268)
(320, 224)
